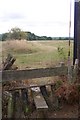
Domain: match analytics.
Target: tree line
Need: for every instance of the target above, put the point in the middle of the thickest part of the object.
(17, 33)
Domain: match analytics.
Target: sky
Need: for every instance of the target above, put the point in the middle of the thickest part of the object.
(41, 17)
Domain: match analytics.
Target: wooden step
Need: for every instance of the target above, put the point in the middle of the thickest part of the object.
(40, 103)
(39, 100)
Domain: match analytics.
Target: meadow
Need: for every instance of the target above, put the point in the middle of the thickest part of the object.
(36, 54)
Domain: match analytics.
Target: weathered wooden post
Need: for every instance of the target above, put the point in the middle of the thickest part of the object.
(77, 34)
(78, 37)
(77, 41)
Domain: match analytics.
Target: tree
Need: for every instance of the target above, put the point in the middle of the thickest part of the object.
(17, 33)
(4, 36)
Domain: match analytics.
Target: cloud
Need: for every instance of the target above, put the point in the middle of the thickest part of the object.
(15, 16)
(40, 16)
(11, 16)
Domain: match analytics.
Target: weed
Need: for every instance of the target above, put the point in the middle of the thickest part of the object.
(61, 53)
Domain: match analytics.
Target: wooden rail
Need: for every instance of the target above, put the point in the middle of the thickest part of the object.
(9, 75)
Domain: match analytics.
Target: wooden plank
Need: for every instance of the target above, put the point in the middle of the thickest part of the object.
(25, 101)
(39, 100)
(46, 96)
(40, 103)
(54, 98)
(22, 87)
(9, 75)
(17, 108)
(10, 106)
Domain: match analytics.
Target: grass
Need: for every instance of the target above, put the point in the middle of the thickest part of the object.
(34, 54)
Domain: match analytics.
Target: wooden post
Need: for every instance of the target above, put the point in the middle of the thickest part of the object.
(25, 104)
(17, 108)
(75, 33)
(78, 38)
(54, 98)
(77, 24)
(8, 62)
(10, 106)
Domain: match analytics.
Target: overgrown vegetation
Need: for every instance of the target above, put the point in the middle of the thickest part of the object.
(61, 53)
(36, 53)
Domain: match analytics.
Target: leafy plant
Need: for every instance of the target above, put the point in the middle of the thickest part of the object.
(61, 53)
(58, 84)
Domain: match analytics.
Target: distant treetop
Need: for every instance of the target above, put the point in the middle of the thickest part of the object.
(16, 33)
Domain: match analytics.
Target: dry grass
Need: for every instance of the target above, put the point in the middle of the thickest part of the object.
(44, 47)
(19, 46)
(35, 54)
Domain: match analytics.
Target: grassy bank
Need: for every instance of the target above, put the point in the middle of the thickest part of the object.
(34, 54)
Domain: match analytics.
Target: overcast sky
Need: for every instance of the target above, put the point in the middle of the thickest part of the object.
(42, 17)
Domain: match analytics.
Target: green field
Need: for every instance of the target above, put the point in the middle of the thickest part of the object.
(35, 54)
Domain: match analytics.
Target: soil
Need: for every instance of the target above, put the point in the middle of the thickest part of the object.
(68, 111)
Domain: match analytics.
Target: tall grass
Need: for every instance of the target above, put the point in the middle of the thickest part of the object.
(36, 53)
